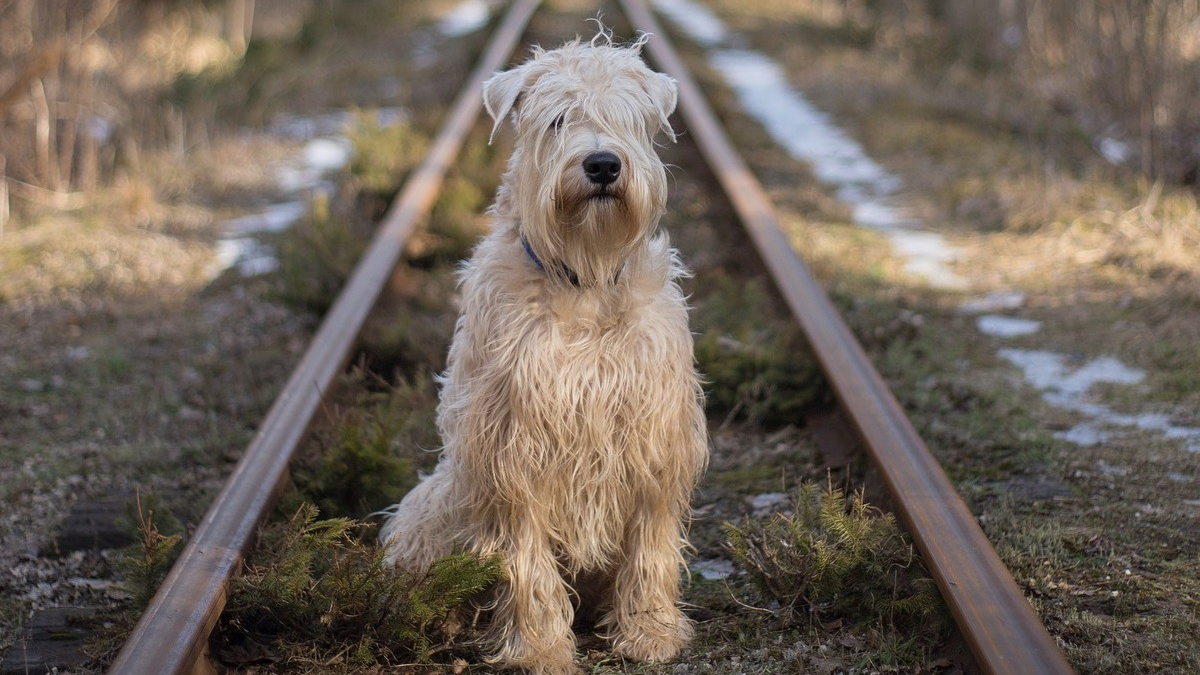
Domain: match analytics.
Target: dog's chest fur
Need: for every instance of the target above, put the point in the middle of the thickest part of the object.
(590, 389)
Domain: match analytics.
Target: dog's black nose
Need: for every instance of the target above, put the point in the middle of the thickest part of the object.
(602, 168)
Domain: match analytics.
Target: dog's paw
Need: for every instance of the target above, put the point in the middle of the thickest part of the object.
(556, 659)
(651, 636)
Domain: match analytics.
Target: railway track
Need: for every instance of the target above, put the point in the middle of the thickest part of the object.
(997, 622)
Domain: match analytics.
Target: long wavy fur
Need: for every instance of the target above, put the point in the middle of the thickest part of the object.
(570, 410)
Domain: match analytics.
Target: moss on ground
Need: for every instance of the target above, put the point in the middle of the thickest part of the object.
(315, 593)
(367, 455)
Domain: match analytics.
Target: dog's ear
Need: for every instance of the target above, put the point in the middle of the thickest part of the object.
(500, 94)
(665, 94)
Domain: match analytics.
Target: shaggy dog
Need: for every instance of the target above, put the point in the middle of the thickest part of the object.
(570, 410)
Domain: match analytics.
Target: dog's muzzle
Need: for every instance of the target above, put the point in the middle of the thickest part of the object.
(602, 168)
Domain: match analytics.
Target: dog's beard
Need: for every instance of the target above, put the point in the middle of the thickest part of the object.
(587, 228)
(597, 231)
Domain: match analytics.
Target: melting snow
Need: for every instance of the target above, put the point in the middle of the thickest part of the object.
(1065, 388)
(769, 501)
(1116, 152)
(327, 154)
(993, 302)
(696, 20)
(713, 569)
(326, 150)
(275, 218)
(467, 17)
(1006, 326)
(809, 135)
(1048, 372)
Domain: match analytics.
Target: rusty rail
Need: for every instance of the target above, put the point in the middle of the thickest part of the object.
(172, 634)
(1004, 633)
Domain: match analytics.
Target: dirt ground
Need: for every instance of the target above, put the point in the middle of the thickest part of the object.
(128, 367)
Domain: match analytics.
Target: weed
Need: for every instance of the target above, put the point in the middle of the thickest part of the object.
(316, 593)
(410, 329)
(366, 456)
(147, 562)
(317, 255)
(383, 154)
(838, 559)
(757, 366)
(457, 220)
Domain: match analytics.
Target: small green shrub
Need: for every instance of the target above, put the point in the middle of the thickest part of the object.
(756, 369)
(383, 154)
(314, 593)
(366, 456)
(146, 563)
(318, 254)
(839, 558)
(410, 332)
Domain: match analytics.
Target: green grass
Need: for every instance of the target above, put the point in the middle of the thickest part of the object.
(756, 366)
(367, 457)
(313, 593)
(836, 558)
(383, 154)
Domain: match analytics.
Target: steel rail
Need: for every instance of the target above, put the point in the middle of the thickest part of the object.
(1004, 633)
(171, 635)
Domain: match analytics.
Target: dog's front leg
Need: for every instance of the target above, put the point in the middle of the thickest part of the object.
(645, 623)
(532, 617)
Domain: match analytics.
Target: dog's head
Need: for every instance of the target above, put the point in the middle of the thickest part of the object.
(585, 179)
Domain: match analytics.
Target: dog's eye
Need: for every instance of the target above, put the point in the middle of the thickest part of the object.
(557, 123)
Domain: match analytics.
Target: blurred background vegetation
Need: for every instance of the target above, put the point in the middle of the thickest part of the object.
(1128, 69)
(89, 86)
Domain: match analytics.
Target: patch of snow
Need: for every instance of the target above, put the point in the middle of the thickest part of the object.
(713, 569)
(701, 25)
(1084, 435)
(1065, 388)
(804, 131)
(275, 218)
(809, 135)
(258, 261)
(302, 128)
(466, 17)
(327, 154)
(1114, 151)
(251, 257)
(326, 149)
(769, 501)
(307, 127)
(926, 254)
(99, 128)
(229, 251)
(1048, 371)
(1006, 326)
(78, 353)
(993, 302)
(1012, 35)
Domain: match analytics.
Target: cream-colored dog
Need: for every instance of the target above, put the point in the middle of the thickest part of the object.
(570, 410)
